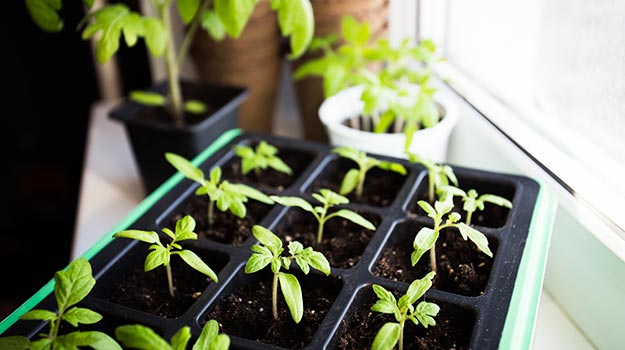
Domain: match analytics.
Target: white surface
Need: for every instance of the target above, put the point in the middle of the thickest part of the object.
(110, 189)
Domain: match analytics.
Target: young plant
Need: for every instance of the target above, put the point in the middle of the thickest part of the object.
(71, 286)
(439, 175)
(393, 332)
(220, 18)
(269, 251)
(226, 195)
(395, 79)
(472, 201)
(161, 253)
(355, 178)
(264, 156)
(141, 337)
(329, 199)
(426, 237)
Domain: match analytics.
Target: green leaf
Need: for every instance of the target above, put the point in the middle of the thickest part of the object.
(279, 165)
(195, 262)
(234, 14)
(424, 241)
(183, 225)
(476, 237)
(354, 32)
(386, 119)
(292, 293)
(44, 14)
(334, 79)
(187, 168)
(293, 202)
(211, 22)
(296, 20)
(15, 342)
(355, 218)
(35, 315)
(445, 206)
(319, 262)
(295, 247)
(77, 315)
(497, 200)
(449, 172)
(257, 262)
(349, 181)
(427, 208)
(383, 294)
(195, 107)
(221, 343)
(181, 338)
(140, 337)
(251, 192)
(132, 28)
(159, 256)
(387, 337)
(156, 36)
(94, 339)
(187, 9)
(425, 313)
(418, 287)
(392, 166)
(144, 236)
(74, 284)
(332, 197)
(148, 98)
(384, 306)
(266, 237)
(208, 336)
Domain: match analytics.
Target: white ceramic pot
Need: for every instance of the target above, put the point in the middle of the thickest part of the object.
(430, 143)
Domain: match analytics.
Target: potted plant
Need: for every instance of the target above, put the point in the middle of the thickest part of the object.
(380, 98)
(379, 298)
(175, 115)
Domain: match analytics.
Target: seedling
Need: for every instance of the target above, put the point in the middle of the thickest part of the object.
(161, 254)
(439, 175)
(264, 156)
(355, 178)
(472, 201)
(329, 199)
(226, 195)
(138, 336)
(393, 332)
(71, 286)
(426, 237)
(269, 251)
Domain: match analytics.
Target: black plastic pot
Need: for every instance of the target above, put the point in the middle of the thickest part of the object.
(483, 319)
(152, 133)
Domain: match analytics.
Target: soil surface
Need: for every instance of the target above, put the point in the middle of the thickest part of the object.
(380, 189)
(452, 330)
(148, 291)
(269, 178)
(227, 228)
(461, 267)
(343, 242)
(247, 313)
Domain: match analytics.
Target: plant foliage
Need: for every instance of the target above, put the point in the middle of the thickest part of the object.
(142, 337)
(261, 157)
(472, 201)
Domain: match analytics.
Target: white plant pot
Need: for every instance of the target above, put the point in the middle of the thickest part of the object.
(430, 143)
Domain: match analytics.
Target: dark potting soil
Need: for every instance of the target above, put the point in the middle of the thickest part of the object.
(343, 242)
(452, 330)
(226, 228)
(380, 188)
(461, 267)
(269, 178)
(149, 292)
(247, 313)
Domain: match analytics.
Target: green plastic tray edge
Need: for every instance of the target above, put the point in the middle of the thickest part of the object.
(139, 210)
(518, 332)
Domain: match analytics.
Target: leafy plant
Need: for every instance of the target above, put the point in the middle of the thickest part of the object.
(227, 196)
(269, 252)
(260, 158)
(393, 332)
(329, 199)
(220, 18)
(141, 337)
(396, 90)
(426, 237)
(472, 201)
(355, 178)
(71, 286)
(161, 253)
(439, 175)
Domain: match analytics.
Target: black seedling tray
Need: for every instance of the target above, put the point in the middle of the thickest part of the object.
(478, 316)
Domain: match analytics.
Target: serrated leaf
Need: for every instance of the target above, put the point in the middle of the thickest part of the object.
(140, 337)
(383, 294)
(43, 315)
(429, 210)
(295, 247)
(349, 181)
(77, 315)
(418, 287)
(292, 293)
(156, 36)
(157, 257)
(387, 337)
(73, 284)
(195, 262)
(257, 262)
(425, 313)
(94, 339)
(384, 306)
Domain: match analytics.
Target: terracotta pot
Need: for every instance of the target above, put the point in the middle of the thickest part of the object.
(252, 60)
